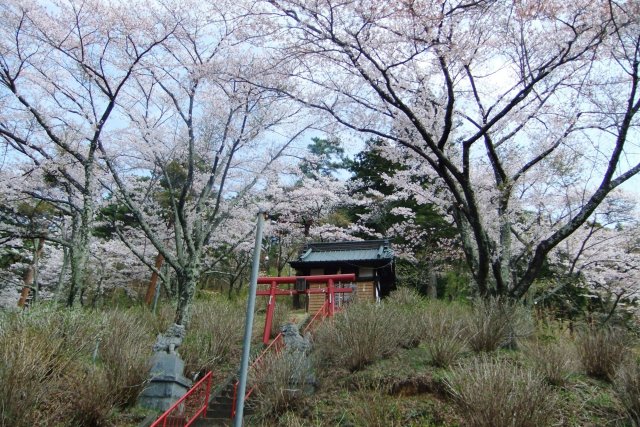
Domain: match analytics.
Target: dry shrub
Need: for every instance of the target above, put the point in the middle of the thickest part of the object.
(555, 360)
(627, 386)
(602, 350)
(26, 364)
(84, 398)
(407, 297)
(490, 393)
(282, 382)
(125, 355)
(494, 323)
(358, 336)
(157, 322)
(407, 307)
(41, 352)
(215, 335)
(47, 373)
(445, 332)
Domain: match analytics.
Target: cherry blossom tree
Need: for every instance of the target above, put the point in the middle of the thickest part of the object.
(604, 254)
(202, 136)
(303, 207)
(518, 111)
(63, 67)
(28, 219)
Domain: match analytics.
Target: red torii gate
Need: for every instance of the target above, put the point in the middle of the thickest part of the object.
(273, 291)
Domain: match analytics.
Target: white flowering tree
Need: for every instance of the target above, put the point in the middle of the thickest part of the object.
(603, 254)
(525, 113)
(63, 67)
(205, 141)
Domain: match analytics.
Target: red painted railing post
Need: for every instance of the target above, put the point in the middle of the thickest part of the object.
(189, 407)
(332, 297)
(207, 395)
(270, 310)
(235, 396)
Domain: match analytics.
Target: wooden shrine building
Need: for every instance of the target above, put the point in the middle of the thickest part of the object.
(372, 261)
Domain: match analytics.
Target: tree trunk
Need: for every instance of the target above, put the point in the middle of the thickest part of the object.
(187, 282)
(81, 241)
(432, 284)
(66, 255)
(31, 273)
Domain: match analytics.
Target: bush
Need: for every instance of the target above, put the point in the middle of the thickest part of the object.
(125, 354)
(407, 297)
(281, 382)
(358, 336)
(445, 332)
(43, 356)
(25, 365)
(83, 398)
(602, 350)
(47, 373)
(407, 307)
(495, 323)
(491, 393)
(373, 407)
(627, 387)
(555, 360)
(215, 336)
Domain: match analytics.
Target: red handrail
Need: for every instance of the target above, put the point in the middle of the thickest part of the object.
(189, 407)
(322, 311)
(276, 345)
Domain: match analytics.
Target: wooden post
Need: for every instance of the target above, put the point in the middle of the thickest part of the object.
(270, 310)
(332, 297)
(153, 282)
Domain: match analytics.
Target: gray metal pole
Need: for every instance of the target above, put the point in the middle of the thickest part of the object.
(248, 326)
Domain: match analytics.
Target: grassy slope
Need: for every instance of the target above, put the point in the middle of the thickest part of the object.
(404, 390)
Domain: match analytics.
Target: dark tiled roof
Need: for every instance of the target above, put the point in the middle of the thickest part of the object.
(369, 250)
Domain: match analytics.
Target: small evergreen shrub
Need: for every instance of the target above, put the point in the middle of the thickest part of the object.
(491, 393)
(601, 350)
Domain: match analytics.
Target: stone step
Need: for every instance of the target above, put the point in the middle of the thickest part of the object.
(213, 422)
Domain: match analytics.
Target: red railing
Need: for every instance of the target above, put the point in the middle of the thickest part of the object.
(189, 407)
(275, 346)
(321, 314)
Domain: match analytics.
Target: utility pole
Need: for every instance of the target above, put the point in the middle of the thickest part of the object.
(248, 326)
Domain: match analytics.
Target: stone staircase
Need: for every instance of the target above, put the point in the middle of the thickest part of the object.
(220, 406)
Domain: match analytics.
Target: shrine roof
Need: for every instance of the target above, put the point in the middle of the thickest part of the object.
(345, 251)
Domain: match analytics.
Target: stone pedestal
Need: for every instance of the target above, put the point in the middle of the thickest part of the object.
(167, 383)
